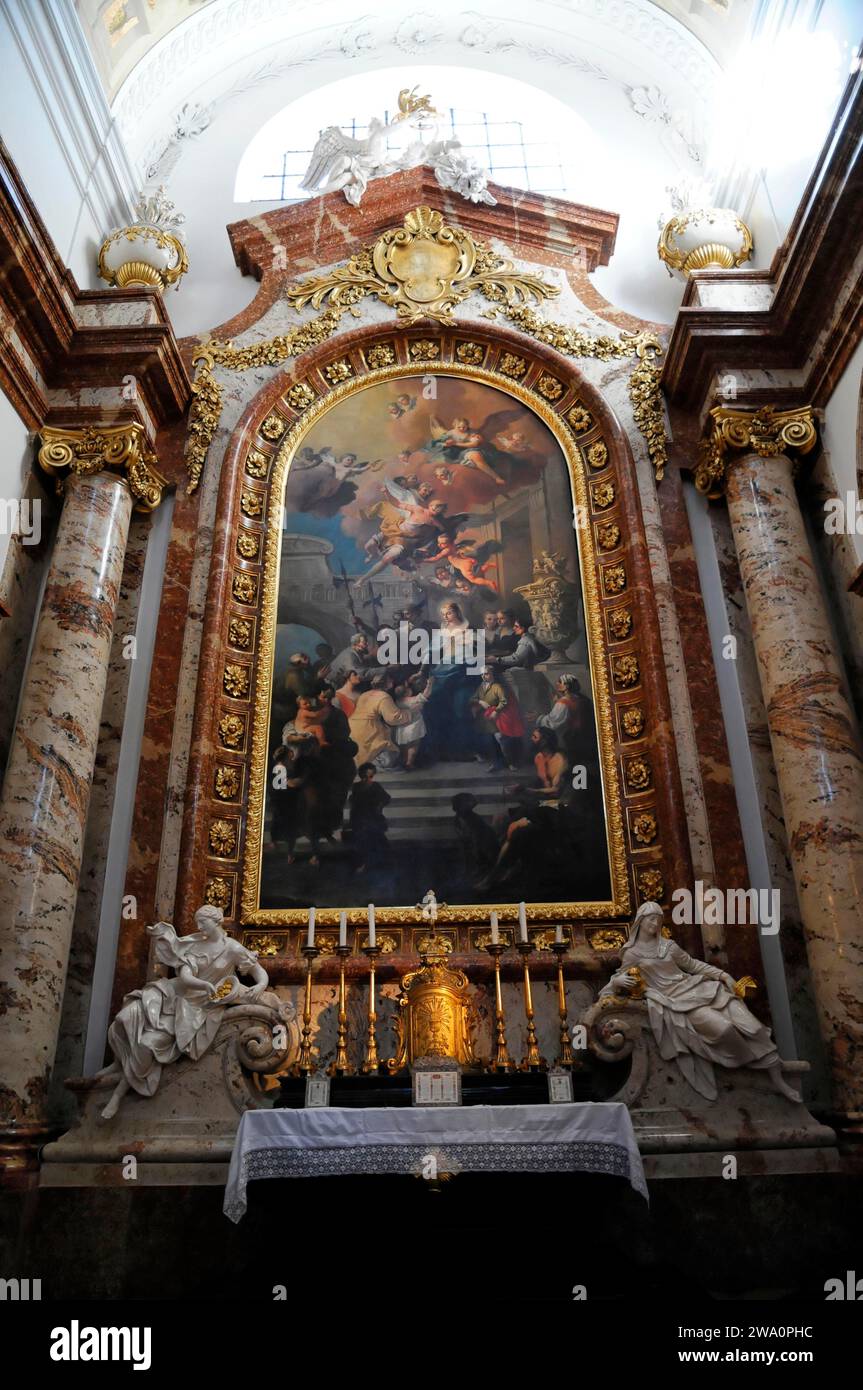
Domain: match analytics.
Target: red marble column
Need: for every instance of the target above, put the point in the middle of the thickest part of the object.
(818, 759)
(43, 812)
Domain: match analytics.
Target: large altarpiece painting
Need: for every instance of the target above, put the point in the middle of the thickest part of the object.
(432, 705)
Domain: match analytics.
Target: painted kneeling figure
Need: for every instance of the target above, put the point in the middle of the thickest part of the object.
(171, 1018)
(696, 1016)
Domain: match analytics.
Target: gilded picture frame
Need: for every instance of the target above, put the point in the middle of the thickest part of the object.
(537, 399)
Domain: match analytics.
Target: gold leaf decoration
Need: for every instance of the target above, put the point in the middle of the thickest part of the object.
(300, 395)
(338, 371)
(513, 366)
(550, 387)
(252, 504)
(381, 355)
(620, 623)
(240, 633)
(235, 680)
(626, 670)
(614, 579)
(597, 454)
(608, 536)
(638, 775)
(218, 893)
(633, 721)
(227, 783)
(223, 838)
(580, 419)
(248, 545)
(603, 494)
(257, 464)
(273, 427)
(232, 727)
(245, 587)
(651, 885)
(472, 353)
(644, 827)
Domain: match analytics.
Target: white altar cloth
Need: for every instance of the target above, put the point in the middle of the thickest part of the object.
(584, 1137)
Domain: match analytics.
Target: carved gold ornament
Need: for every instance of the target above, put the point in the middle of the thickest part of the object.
(223, 838)
(597, 455)
(387, 945)
(422, 270)
(620, 623)
(252, 504)
(651, 885)
(638, 774)
(218, 893)
(472, 353)
(266, 945)
(579, 418)
(227, 783)
(614, 579)
(607, 939)
(338, 371)
(257, 464)
(513, 366)
(240, 633)
(245, 587)
(608, 536)
(505, 935)
(300, 395)
(236, 680)
(632, 721)
(381, 355)
(424, 349)
(767, 432)
(550, 387)
(248, 545)
(603, 494)
(626, 670)
(98, 448)
(232, 728)
(273, 427)
(644, 827)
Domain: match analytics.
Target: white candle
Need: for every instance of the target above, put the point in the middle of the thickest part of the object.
(310, 941)
(495, 932)
(343, 929)
(372, 941)
(558, 934)
(522, 923)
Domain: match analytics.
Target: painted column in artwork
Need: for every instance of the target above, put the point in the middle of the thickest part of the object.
(43, 811)
(819, 762)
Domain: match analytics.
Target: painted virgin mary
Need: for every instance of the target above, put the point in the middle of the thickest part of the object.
(170, 1018)
(696, 1016)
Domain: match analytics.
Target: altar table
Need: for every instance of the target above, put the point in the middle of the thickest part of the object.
(589, 1137)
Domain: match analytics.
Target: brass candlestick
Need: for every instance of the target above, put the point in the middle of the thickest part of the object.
(372, 1061)
(341, 1066)
(532, 1059)
(305, 1063)
(501, 1060)
(567, 1056)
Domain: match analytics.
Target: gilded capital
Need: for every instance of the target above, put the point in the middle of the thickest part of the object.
(94, 448)
(767, 432)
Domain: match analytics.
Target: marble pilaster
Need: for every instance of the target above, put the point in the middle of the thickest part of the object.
(816, 754)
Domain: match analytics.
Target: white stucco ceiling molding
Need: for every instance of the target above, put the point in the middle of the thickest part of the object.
(231, 46)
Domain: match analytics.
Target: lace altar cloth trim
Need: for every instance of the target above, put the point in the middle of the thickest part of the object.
(410, 1159)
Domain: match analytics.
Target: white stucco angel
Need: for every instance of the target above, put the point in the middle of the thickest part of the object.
(697, 1017)
(408, 140)
(171, 1018)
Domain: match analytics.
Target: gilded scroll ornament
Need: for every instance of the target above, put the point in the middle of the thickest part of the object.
(422, 270)
(767, 432)
(113, 448)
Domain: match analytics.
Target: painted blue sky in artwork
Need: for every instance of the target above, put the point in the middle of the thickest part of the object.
(329, 528)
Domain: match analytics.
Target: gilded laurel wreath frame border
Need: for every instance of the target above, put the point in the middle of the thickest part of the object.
(250, 862)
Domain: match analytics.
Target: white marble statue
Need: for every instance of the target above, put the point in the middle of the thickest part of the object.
(340, 161)
(696, 1017)
(171, 1018)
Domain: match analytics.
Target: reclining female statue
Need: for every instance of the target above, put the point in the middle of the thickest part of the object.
(171, 1018)
(695, 1013)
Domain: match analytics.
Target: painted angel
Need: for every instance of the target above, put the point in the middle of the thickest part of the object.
(463, 446)
(177, 1017)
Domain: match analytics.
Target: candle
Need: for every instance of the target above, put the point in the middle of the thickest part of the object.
(558, 934)
(372, 940)
(495, 932)
(310, 941)
(522, 923)
(343, 929)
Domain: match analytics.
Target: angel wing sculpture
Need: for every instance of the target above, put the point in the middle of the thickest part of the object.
(340, 161)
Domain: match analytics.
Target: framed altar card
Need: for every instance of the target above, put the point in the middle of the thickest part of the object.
(317, 1090)
(433, 704)
(560, 1087)
(436, 1086)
